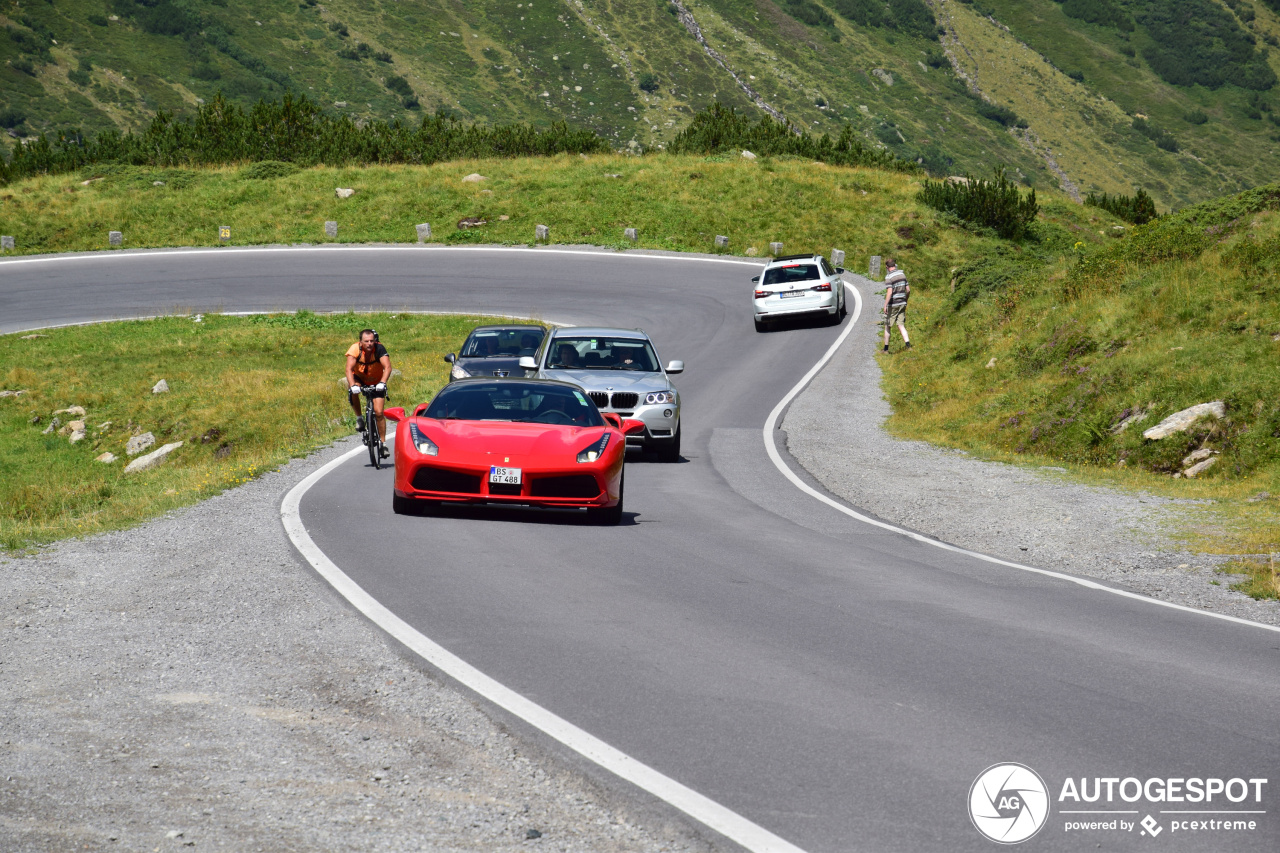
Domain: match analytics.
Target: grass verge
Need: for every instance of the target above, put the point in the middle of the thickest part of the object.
(247, 394)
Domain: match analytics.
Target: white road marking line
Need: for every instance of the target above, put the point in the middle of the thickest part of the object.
(163, 253)
(706, 811)
(771, 426)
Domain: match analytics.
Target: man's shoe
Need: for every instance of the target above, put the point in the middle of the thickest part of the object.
(384, 453)
(886, 347)
(360, 425)
(908, 344)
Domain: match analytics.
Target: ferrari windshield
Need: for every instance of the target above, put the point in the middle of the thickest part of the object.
(515, 401)
(502, 343)
(598, 353)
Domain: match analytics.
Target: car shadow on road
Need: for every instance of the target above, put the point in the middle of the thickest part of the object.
(800, 321)
(518, 515)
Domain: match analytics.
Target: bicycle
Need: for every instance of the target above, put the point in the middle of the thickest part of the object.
(372, 439)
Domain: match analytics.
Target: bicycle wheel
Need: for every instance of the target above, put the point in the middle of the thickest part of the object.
(371, 435)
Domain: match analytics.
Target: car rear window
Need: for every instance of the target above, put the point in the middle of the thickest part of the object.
(792, 272)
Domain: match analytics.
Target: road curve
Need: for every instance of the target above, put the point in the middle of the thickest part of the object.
(836, 683)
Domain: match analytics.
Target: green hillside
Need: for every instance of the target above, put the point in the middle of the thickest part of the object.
(1090, 95)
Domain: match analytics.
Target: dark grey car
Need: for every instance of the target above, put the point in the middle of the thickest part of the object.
(495, 351)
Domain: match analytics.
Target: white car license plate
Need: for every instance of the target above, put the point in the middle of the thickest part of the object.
(509, 476)
(788, 293)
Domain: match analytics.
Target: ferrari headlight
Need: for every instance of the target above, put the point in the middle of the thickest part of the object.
(596, 450)
(420, 441)
(658, 397)
(458, 372)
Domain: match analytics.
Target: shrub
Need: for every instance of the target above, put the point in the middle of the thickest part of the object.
(808, 12)
(1138, 208)
(649, 81)
(98, 20)
(994, 204)
(1162, 138)
(1200, 42)
(1078, 76)
(723, 130)
(1195, 117)
(1103, 12)
(912, 17)
(382, 56)
(268, 170)
(79, 76)
(400, 86)
(24, 65)
(998, 114)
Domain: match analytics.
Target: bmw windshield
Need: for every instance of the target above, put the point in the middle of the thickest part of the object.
(516, 402)
(601, 353)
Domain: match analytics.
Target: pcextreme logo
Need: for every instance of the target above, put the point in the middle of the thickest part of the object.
(1008, 803)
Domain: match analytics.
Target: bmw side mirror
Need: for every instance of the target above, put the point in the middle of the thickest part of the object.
(675, 367)
(527, 363)
(451, 358)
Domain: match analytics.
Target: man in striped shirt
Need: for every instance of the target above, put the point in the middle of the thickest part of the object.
(896, 292)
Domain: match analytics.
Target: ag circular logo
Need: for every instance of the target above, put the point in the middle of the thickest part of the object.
(1008, 803)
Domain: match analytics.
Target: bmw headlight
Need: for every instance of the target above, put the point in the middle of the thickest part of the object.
(458, 373)
(659, 397)
(596, 450)
(420, 441)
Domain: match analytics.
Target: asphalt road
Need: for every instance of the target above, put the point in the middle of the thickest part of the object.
(838, 684)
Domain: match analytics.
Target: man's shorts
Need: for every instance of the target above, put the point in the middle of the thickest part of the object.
(895, 315)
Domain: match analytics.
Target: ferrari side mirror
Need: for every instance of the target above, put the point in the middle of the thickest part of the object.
(396, 413)
(631, 426)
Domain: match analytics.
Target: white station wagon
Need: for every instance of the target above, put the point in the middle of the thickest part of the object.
(798, 284)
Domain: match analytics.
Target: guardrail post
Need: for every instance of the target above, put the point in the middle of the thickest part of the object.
(115, 238)
(630, 234)
(331, 229)
(874, 271)
(722, 242)
(775, 249)
(837, 257)
(541, 233)
(424, 231)
(6, 243)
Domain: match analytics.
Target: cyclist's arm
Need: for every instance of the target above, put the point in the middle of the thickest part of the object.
(386, 368)
(351, 371)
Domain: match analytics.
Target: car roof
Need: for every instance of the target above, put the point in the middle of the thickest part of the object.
(502, 326)
(812, 256)
(600, 332)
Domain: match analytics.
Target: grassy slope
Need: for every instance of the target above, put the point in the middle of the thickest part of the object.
(225, 375)
(1089, 125)
(491, 60)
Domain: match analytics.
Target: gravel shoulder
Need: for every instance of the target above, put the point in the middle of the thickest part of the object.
(1034, 516)
(191, 683)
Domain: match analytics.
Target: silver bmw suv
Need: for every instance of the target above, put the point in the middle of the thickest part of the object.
(620, 371)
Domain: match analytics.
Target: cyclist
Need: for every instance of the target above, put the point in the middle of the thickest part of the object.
(369, 364)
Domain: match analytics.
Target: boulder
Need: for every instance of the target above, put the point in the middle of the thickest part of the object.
(471, 222)
(4, 394)
(344, 192)
(883, 76)
(152, 459)
(1180, 421)
(139, 443)
(473, 178)
(1199, 467)
(1193, 458)
(77, 429)
(1130, 420)
(747, 155)
(991, 363)
(161, 387)
(53, 424)
(107, 458)
(74, 411)
(33, 337)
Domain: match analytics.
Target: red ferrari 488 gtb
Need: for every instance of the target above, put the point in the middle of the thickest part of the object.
(529, 442)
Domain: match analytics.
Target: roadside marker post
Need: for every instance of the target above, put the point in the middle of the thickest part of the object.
(775, 249)
(424, 231)
(837, 258)
(875, 268)
(541, 233)
(722, 242)
(115, 238)
(331, 229)
(6, 243)
(630, 234)
(224, 233)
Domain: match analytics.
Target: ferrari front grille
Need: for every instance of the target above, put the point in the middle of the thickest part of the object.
(504, 488)
(625, 400)
(571, 486)
(430, 479)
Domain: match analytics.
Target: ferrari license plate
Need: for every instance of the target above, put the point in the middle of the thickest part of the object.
(510, 476)
(789, 293)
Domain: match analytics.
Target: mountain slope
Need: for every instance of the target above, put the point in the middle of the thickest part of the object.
(636, 70)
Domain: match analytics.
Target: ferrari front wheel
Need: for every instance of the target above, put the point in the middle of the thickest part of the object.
(609, 515)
